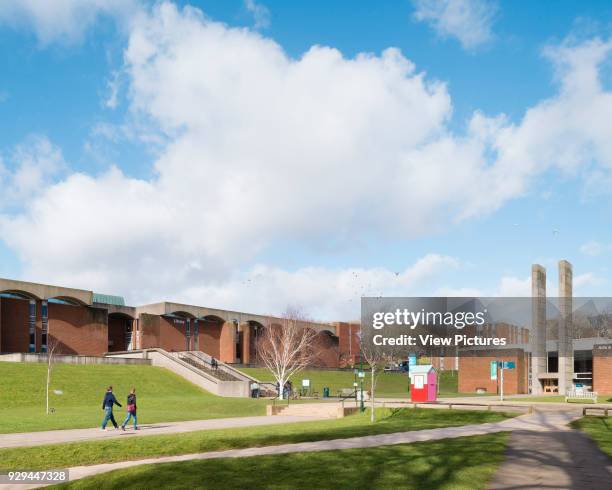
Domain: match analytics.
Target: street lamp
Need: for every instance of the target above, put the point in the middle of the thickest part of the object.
(361, 377)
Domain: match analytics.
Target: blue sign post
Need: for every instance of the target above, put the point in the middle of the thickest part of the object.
(493, 370)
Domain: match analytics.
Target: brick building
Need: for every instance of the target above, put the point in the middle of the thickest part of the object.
(567, 347)
(84, 323)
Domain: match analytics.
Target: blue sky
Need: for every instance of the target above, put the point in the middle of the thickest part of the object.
(448, 166)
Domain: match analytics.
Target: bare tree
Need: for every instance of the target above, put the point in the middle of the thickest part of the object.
(286, 349)
(376, 357)
(52, 350)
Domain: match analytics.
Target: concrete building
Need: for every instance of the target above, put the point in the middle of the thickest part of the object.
(86, 323)
(559, 354)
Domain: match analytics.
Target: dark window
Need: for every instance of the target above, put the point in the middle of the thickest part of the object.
(32, 326)
(44, 310)
(553, 362)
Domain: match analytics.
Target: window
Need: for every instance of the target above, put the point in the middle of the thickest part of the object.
(419, 381)
(32, 326)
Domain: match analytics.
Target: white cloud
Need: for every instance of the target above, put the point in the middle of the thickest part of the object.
(261, 148)
(470, 21)
(592, 248)
(62, 20)
(510, 287)
(33, 166)
(113, 86)
(261, 14)
(327, 294)
(582, 281)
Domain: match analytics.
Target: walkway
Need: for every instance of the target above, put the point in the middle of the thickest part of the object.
(536, 422)
(556, 459)
(543, 452)
(79, 435)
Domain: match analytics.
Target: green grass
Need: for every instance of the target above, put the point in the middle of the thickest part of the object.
(130, 448)
(462, 463)
(558, 399)
(599, 429)
(162, 396)
(388, 384)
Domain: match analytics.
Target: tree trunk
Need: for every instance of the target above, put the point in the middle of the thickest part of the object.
(372, 414)
(48, 383)
(281, 389)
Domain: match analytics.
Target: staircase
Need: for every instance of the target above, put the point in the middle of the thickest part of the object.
(216, 373)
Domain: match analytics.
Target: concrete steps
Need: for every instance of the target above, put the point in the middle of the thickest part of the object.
(327, 410)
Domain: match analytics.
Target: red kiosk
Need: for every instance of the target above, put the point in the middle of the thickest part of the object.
(423, 383)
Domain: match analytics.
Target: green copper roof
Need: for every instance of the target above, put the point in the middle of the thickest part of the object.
(108, 299)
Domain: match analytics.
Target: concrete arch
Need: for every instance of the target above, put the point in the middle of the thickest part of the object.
(20, 294)
(212, 318)
(120, 314)
(181, 314)
(68, 300)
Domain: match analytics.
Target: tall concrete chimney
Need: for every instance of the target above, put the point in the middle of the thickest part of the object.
(566, 351)
(539, 356)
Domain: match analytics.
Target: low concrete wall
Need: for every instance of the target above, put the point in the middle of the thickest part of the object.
(62, 359)
(158, 357)
(344, 411)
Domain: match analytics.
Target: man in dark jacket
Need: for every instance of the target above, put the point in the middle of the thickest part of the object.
(107, 406)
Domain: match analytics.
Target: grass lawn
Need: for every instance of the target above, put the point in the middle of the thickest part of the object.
(162, 396)
(389, 384)
(558, 399)
(130, 448)
(462, 463)
(599, 429)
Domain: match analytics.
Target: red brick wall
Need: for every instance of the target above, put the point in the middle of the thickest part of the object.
(116, 333)
(227, 343)
(14, 317)
(327, 350)
(149, 330)
(80, 330)
(602, 369)
(210, 335)
(475, 371)
(172, 333)
(348, 342)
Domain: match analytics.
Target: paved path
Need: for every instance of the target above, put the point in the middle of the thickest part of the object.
(534, 422)
(78, 435)
(559, 458)
(542, 453)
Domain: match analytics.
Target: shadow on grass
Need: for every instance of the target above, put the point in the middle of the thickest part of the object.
(462, 463)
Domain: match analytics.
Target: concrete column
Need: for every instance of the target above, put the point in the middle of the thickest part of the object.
(538, 326)
(566, 351)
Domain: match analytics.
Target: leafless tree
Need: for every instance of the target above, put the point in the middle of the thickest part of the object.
(287, 348)
(376, 357)
(52, 350)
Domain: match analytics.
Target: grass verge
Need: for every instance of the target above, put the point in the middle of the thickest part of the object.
(599, 429)
(388, 384)
(77, 393)
(131, 448)
(462, 463)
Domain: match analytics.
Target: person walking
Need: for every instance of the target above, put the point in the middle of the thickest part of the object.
(107, 406)
(131, 409)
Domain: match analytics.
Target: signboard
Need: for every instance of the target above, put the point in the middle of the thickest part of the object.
(412, 360)
(493, 370)
(508, 365)
(305, 383)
